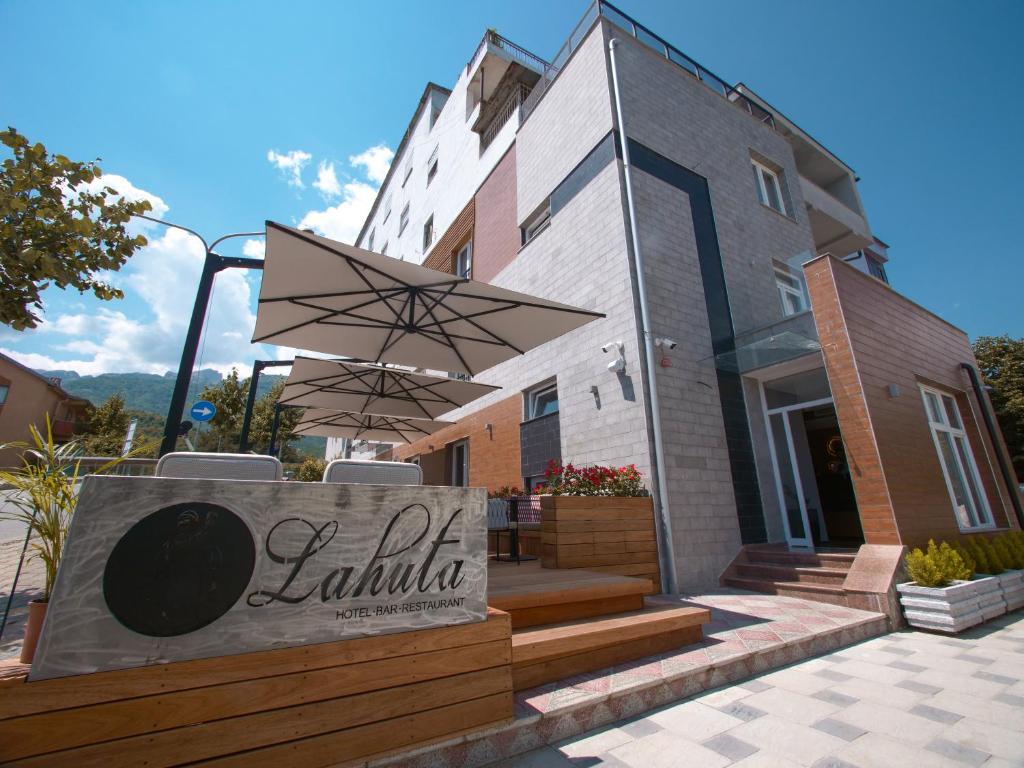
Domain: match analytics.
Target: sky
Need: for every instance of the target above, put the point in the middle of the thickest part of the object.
(225, 114)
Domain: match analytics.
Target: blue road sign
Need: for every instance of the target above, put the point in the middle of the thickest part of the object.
(203, 410)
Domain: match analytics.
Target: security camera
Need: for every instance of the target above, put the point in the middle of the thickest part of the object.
(612, 345)
(666, 343)
(618, 365)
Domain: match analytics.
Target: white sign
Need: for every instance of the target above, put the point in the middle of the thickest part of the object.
(163, 569)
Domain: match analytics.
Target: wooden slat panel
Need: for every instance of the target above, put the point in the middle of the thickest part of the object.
(225, 737)
(590, 561)
(552, 614)
(597, 513)
(41, 733)
(80, 690)
(364, 741)
(576, 526)
(586, 502)
(639, 570)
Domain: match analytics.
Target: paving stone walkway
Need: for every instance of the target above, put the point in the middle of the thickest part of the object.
(904, 700)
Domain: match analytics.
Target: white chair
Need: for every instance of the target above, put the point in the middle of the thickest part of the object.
(373, 472)
(219, 466)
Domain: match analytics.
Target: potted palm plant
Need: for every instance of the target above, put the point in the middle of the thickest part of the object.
(44, 499)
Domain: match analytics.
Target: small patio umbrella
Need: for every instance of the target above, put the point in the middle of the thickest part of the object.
(323, 295)
(371, 389)
(356, 426)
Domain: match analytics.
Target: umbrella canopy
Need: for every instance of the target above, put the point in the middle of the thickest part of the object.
(357, 426)
(371, 389)
(326, 296)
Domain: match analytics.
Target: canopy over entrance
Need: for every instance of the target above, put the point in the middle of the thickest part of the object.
(322, 295)
(370, 389)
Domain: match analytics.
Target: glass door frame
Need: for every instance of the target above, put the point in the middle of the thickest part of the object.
(807, 541)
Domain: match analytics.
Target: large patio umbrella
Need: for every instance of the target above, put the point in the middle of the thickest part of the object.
(356, 426)
(322, 295)
(372, 389)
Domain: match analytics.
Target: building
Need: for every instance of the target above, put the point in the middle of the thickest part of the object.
(800, 398)
(26, 398)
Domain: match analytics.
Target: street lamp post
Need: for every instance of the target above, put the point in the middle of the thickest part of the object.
(254, 380)
(212, 264)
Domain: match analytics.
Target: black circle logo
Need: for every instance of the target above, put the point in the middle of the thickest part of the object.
(179, 569)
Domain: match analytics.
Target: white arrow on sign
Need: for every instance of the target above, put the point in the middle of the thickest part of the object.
(204, 411)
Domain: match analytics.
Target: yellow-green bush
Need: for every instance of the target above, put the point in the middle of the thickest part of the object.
(937, 567)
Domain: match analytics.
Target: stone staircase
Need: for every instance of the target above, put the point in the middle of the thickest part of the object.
(772, 569)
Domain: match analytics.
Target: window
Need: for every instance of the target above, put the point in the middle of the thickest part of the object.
(432, 166)
(957, 460)
(428, 232)
(464, 261)
(792, 291)
(369, 241)
(387, 209)
(460, 463)
(876, 268)
(541, 401)
(408, 169)
(4, 389)
(535, 224)
(435, 112)
(403, 220)
(769, 187)
(384, 249)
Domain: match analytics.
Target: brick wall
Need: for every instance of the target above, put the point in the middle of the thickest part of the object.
(496, 233)
(493, 456)
(442, 255)
(872, 337)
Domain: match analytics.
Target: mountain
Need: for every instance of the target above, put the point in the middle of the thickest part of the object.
(150, 393)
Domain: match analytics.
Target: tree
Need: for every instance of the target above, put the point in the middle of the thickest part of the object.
(262, 422)
(226, 426)
(56, 228)
(106, 428)
(1001, 361)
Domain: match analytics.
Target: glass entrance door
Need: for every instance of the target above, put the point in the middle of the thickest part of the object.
(787, 480)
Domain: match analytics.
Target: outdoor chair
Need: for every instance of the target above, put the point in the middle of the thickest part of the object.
(373, 472)
(219, 466)
(522, 512)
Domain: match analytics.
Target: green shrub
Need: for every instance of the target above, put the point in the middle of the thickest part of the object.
(937, 567)
(311, 470)
(995, 559)
(981, 562)
(966, 556)
(1014, 545)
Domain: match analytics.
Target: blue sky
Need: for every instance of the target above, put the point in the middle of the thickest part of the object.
(187, 100)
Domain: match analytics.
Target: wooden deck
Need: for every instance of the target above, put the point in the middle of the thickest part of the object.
(567, 622)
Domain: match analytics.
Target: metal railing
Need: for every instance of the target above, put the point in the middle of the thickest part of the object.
(651, 40)
(511, 107)
(516, 52)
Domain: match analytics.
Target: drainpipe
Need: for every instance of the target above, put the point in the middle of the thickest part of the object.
(993, 431)
(667, 551)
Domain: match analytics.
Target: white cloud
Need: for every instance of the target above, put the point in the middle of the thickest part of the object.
(254, 249)
(327, 180)
(128, 191)
(376, 160)
(290, 164)
(343, 221)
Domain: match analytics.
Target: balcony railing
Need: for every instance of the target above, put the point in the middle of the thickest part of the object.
(515, 52)
(511, 106)
(651, 40)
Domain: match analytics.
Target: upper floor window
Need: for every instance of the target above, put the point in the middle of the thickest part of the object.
(792, 290)
(403, 220)
(369, 240)
(769, 187)
(408, 169)
(541, 400)
(432, 166)
(4, 389)
(384, 249)
(957, 459)
(536, 222)
(464, 261)
(387, 209)
(428, 232)
(435, 112)
(875, 267)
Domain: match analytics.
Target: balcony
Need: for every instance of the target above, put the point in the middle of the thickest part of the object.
(837, 227)
(498, 72)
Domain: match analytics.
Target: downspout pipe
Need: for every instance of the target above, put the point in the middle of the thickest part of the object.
(993, 432)
(667, 550)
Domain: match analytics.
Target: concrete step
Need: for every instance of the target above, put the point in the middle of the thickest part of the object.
(553, 652)
(803, 574)
(793, 559)
(822, 593)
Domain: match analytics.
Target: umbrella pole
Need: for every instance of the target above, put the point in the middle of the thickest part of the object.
(250, 403)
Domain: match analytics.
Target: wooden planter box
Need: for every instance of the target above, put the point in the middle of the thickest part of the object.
(607, 534)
